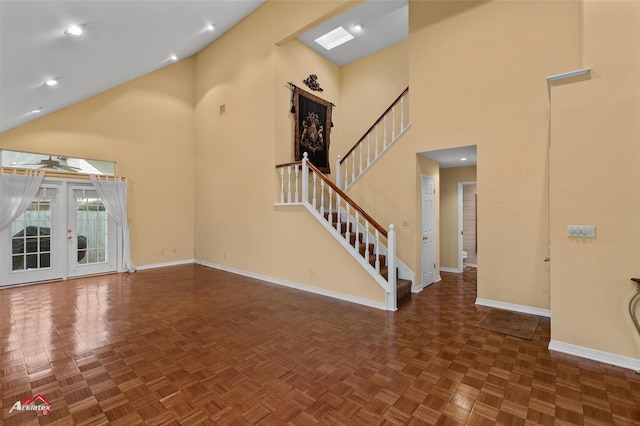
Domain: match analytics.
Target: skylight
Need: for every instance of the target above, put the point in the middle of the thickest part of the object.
(334, 38)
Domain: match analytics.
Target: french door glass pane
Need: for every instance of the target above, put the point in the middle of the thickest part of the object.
(30, 237)
(92, 231)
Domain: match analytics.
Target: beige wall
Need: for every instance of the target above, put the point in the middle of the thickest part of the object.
(449, 179)
(368, 87)
(595, 152)
(237, 224)
(477, 76)
(146, 126)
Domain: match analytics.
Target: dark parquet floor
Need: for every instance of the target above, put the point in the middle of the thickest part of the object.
(191, 345)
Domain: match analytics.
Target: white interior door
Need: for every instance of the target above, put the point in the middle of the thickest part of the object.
(90, 234)
(31, 247)
(428, 213)
(65, 232)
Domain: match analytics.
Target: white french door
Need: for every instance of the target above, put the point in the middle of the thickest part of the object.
(65, 232)
(91, 234)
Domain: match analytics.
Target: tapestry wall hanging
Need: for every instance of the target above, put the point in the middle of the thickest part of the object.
(313, 128)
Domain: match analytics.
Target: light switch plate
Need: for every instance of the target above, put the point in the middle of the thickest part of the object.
(581, 231)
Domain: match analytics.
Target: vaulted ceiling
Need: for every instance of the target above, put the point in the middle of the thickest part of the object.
(122, 40)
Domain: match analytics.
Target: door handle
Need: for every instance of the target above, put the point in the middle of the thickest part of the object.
(546, 259)
(69, 237)
(69, 230)
(425, 238)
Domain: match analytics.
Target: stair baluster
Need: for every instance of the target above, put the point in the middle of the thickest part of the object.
(347, 235)
(338, 225)
(322, 198)
(384, 142)
(369, 147)
(330, 204)
(366, 234)
(393, 122)
(289, 184)
(356, 244)
(314, 200)
(297, 171)
(282, 185)
(377, 264)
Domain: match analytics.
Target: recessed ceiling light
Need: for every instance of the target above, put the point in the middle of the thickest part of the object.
(334, 38)
(36, 111)
(357, 27)
(52, 82)
(75, 30)
(464, 159)
(173, 58)
(210, 27)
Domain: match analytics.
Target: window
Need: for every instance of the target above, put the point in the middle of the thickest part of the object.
(56, 163)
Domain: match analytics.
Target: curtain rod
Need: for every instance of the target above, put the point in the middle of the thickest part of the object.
(296, 87)
(52, 174)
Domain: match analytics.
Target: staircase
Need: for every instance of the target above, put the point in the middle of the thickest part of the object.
(301, 183)
(367, 251)
(387, 129)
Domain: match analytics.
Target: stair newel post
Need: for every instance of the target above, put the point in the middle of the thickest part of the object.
(377, 263)
(391, 265)
(305, 178)
(282, 184)
(338, 174)
(322, 197)
(297, 176)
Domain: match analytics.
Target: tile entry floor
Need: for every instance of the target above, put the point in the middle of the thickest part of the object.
(191, 345)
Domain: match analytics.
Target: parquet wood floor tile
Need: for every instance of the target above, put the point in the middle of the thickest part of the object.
(190, 345)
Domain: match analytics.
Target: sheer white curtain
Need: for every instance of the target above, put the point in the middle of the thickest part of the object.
(16, 194)
(113, 194)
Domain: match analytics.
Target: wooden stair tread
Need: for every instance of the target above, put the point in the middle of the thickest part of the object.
(403, 286)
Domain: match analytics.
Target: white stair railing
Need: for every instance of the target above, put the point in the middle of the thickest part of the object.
(366, 240)
(385, 131)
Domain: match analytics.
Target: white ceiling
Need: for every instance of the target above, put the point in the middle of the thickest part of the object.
(448, 158)
(384, 23)
(125, 39)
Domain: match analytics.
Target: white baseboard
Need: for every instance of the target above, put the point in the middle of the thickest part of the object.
(297, 286)
(514, 307)
(447, 269)
(595, 355)
(165, 264)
